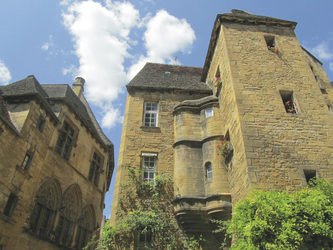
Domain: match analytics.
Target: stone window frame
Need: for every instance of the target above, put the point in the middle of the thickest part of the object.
(45, 206)
(270, 41)
(149, 172)
(67, 138)
(96, 167)
(150, 114)
(71, 204)
(26, 161)
(289, 96)
(40, 125)
(10, 205)
(309, 174)
(209, 170)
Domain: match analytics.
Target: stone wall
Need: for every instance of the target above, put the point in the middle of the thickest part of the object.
(46, 164)
(271, 147)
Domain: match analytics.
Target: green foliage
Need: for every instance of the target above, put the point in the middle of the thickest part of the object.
(281, 220)
(146, 206)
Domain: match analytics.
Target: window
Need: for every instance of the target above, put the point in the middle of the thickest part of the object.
(324, 91)
(40, 124)
(68, 214)
(146, 235)
(40, 219)
(150, 114)
(271, 44)
(330, 108)
(26, 161)
(10, 205)
(309, 174)
(209, 171)
(95, 169)
(149, 166)
(209, 112)
(289, 102)
(65, 140)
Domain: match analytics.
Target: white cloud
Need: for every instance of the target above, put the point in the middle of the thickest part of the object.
(5, 76)
(48, 44)
(71, 70)
(102, 44)
(322, 51)
(165, 35)
(101, 36)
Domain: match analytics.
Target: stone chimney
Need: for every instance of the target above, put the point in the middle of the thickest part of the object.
(78, 86)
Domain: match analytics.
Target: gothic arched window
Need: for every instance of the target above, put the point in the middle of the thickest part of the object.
(85, 227)
(70, 206)
(42, 215)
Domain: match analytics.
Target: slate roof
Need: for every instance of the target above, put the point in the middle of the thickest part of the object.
(164, 76)
(57, 92)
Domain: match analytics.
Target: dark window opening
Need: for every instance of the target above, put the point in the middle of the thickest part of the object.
(40, 219)
(271, 44)
(324, 91)
(289, 102)
(10, 205)
(330, 108)
(40, 124)
(146, 235)
(309, 175)
(65, 140)
(95, 167)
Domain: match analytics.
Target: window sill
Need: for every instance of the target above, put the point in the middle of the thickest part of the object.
(151, 129)
(24, 172)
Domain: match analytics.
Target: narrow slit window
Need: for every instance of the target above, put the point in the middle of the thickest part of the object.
(209, 170)
(40, 124)
(289, 102)
(26, 161)
(10, 205)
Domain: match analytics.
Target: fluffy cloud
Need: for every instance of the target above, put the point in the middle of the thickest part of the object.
(101, 36)
(165, 35)
(5, 76)
(322, 51)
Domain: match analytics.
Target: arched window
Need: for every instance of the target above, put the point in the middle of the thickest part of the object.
(209, 170)
(70, 207)
(85, 227)
(47, 200)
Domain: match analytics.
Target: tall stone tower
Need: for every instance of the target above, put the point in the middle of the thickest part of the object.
(267, 96)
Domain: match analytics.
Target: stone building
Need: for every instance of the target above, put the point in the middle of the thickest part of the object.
(55, 166)
(267, 96)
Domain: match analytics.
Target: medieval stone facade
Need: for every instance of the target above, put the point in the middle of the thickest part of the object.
(259, 89)
(55, 166)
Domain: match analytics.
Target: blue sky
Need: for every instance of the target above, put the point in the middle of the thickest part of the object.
(107, 42)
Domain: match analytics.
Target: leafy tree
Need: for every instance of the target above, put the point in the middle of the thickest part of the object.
(281, 220)
(146, 208)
